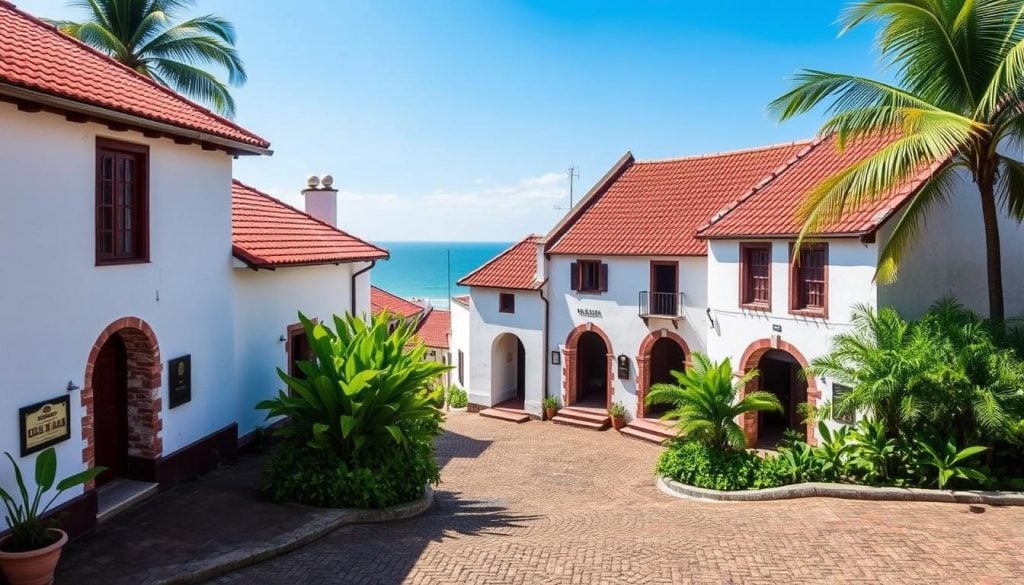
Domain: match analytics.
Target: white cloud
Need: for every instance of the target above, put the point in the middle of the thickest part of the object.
(488, 213)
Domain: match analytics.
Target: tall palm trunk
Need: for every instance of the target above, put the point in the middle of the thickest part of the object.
(993, 254)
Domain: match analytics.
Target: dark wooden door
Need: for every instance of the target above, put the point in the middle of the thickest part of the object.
(664, 288)
(110, 409)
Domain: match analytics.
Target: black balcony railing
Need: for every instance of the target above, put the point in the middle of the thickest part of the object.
(661, 304)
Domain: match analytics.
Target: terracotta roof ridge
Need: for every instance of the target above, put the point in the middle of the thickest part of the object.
(499, 255)
(764, 182)
(303, 213)
(110, 60)
(621, 166)
(753, 149)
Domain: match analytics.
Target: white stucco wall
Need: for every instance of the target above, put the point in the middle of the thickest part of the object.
(850, 271)
(487, 324)
(619, 313)
(267, 302)
(55, 301)
(948, 259)
(460, 341)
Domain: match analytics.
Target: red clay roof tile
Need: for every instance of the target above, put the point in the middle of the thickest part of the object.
(36, 56)
(771, 209)
(381, 300)
(654, 208)
(266, 232)
(515, 268)
(434, 328)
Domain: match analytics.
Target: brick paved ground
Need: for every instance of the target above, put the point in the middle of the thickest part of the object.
(539, 503)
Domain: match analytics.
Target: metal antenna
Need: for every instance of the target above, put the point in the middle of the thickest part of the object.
(574, 173)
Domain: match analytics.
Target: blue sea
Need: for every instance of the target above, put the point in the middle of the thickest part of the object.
(421, 269)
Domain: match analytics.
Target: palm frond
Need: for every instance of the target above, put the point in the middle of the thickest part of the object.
(196, 83)
(1010, 187)
(936, 192)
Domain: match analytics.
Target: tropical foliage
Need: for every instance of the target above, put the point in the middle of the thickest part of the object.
(705, 402)
(957, 97)
(142, 35)
(457, 397)
(25, 513)
(364, 401)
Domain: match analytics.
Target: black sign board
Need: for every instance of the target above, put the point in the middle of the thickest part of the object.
(623, 367)
(838, 391)
(44, 424)
(180, 380)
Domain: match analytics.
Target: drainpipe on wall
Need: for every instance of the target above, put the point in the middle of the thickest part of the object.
(546, 359)
(355, 275)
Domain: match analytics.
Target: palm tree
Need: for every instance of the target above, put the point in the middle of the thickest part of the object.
(959, 80)
(139, 34)
(705, 404)
(885, 365)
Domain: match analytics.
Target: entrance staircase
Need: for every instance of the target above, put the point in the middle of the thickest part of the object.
(585, 417)
(651, 430)
(511, 411)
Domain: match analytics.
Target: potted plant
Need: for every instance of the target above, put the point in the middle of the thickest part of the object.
(550, 405)
(617, 412)
(29, 555)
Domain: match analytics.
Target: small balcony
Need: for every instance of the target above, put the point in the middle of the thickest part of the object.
(664, 305)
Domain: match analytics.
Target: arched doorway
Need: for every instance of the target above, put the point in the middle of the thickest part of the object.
(508, 369)
(121, 403)
(592, 369)
(666, 357)
(779, 365)
(660, 353)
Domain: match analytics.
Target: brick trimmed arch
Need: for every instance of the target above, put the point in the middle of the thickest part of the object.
(643, 362)
(569, 364)
(753, 354)
(144, 403)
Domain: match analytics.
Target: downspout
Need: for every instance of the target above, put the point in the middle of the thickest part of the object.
(546, 359)
(355, 275)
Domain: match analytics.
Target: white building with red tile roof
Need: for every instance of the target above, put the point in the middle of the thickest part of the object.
(149, 295)
(664, 258)
(433, 325)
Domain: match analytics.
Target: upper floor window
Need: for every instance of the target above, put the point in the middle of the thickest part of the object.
(756, 276)
(809, 290)
(506, 303)
(122, 202)
(589, 276)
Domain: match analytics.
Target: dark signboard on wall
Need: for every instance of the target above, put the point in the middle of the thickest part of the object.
(180, 380)
(623, 367)
(44, 424)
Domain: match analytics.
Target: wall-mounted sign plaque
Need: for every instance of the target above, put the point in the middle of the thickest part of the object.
(44, 424)
(592, 313)
(179, 380)
(623, 367)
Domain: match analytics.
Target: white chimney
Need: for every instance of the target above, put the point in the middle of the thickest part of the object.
(541, 272)
(322, 199)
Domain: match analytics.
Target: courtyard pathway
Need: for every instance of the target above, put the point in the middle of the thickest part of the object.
(547, 504)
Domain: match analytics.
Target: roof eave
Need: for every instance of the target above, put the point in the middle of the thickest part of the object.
(253, 262)
(69, 105)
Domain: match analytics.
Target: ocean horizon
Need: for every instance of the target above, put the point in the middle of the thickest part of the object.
(430, 270)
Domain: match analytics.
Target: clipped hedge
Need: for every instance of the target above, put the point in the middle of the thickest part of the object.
(694, 463)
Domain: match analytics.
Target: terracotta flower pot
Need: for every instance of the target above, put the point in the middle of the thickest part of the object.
(618, 423)
(34, 567)
(550, 413)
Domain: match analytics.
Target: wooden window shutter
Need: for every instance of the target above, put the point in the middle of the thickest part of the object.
(574, 276)
(603, 279)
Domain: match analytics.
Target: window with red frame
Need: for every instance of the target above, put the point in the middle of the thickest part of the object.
(755, 275)
(122, 202)
(810, 275)
(506, 303)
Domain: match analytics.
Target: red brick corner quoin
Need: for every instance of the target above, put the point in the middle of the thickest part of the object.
(643, 362)
(569, 366)
(748, 362)
(144, 404)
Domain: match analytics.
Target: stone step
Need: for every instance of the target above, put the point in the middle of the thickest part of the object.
(642, 435)
(662, 428)
(593, 415)
(580, 423)
(505, 414)
(119, 495)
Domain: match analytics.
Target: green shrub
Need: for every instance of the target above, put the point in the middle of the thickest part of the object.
(318, 477)
(697, 464)
(550, 402)
(457, 397)
(361, 419)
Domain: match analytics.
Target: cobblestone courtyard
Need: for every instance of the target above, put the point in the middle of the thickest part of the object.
(540, 503)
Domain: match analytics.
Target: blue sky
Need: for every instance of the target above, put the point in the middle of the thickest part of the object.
(456, 120)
